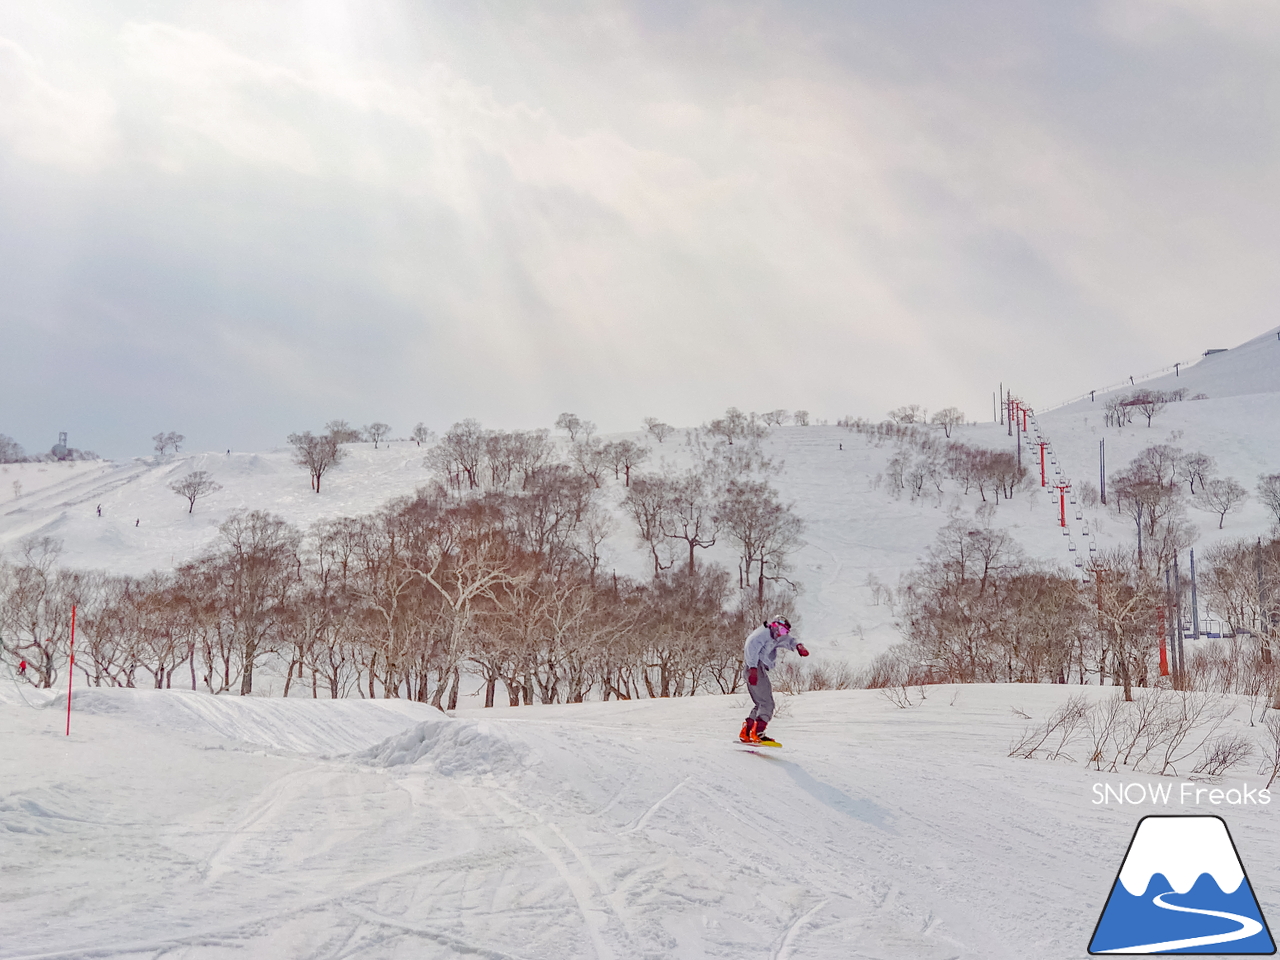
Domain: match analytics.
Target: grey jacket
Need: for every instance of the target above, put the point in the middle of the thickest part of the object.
(762, 649)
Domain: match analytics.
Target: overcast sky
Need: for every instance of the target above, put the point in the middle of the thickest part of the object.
(238, 220)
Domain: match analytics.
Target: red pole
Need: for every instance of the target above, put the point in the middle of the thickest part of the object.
(1164, 653)
(1042, 446)
(1062, 504)
(1025, 411)
(71, 666)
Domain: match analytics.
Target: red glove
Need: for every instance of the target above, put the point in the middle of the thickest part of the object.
(753, 677)
(801, 650)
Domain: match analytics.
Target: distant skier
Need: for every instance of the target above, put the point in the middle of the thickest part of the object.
(137, 522)
(759, 657)
(22, 668)
(99, 509)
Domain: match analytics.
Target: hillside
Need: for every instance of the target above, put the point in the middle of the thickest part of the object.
(855, 528)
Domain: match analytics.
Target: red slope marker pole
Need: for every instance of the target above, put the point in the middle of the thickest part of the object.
(1043, 444)
(1164, 652)
(71, 667)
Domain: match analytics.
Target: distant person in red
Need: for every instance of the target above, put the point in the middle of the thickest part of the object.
(22, 669)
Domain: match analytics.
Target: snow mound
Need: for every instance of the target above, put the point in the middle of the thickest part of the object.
(326, 727)
(454, 748)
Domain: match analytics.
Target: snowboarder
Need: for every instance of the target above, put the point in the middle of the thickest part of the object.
(759, 657)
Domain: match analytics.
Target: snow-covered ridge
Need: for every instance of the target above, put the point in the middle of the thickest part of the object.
(1181, 848)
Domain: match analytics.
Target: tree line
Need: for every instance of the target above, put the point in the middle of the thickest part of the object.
(492, 571)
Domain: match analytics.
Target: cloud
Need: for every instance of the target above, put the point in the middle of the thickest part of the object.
(46, 122)
(402, 211)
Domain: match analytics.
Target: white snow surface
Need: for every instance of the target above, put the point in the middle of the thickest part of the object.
(1182, 848)
(192, 826)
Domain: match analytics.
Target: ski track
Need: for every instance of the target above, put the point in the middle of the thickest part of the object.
(644, 818)
(789, 937)
(536, 835)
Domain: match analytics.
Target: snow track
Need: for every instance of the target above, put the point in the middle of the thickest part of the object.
(190, 826)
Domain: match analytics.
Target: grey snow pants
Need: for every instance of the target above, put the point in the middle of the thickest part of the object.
(761, 696)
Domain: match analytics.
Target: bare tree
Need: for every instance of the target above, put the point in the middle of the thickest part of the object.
(1125, 596)
(167, 441)
(911, 413)
(35, 609)
(649, 502)
(764, 529)
(776, 418)
(691, 514)
(591, 460)
(421, 434)
(948, 419)
(256, 572)
(1147, 497)
(342, 432)
(575, 426)
(1269, 492)
(317, 454)
(736, 425)
(1221, 496)
(460, 453)
(377, 432)
(193, 486)
(801, 418)
(1195, 468)
(624, 456)
(659, 429)
(1162, 462)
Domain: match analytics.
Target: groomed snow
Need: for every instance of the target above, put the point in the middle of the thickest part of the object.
(190, 826)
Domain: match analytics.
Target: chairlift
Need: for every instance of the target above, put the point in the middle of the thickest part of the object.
(1093, 547)
(1071, 545)
(1079, 515)
(1066, 531)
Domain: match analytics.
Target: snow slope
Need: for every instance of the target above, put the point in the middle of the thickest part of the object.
(854, 528)
(192, 826)
(1238, 425)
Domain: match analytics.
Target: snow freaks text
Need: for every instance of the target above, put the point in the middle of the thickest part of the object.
(1183, 794)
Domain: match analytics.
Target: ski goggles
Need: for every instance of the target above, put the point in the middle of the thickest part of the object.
(780, 628)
